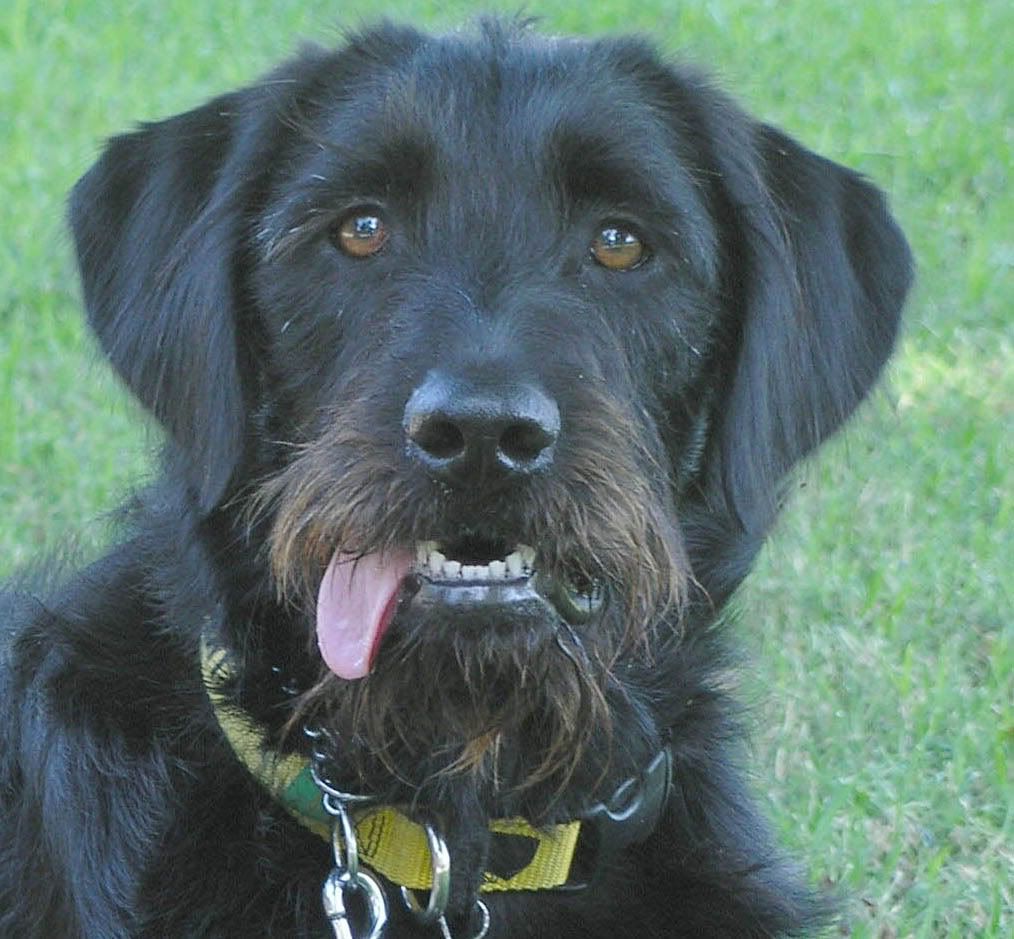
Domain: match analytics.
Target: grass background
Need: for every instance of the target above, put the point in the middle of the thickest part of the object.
(880, 615)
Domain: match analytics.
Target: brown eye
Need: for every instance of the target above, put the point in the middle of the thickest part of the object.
(618, 249)
(361, 235)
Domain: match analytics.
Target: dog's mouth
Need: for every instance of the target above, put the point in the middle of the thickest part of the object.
(471, 584)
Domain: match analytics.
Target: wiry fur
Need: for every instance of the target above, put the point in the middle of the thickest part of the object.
(687, 389)
(597, 518)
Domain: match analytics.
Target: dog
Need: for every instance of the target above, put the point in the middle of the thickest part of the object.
(483, 362)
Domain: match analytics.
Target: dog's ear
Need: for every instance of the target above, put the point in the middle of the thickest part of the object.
(818, 280)
(157, 228)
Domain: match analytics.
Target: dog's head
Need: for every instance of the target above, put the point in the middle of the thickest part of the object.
(499, 348)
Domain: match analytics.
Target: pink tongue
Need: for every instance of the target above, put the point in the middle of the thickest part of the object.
(354, 606)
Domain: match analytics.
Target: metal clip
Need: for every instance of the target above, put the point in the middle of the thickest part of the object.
(344, 844)
(339, 883)
(346, 877)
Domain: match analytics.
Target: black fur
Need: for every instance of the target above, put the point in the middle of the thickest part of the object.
(763, 315)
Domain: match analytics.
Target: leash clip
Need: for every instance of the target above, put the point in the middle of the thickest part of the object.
(345, 877)
(339, 883)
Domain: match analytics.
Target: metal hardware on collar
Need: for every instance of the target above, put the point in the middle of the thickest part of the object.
(339, 883)
(345, 877)
(445, 930)
(632, 812)
(344, 844)
(440, 891)
(484, 911)
(630, 815)
(319, 757)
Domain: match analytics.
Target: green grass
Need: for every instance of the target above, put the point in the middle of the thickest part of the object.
(880, 615)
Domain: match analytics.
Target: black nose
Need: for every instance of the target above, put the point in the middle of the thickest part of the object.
(472, 435)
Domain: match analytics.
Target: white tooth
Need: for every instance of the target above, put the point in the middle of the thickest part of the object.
(514, 563)
(422, 552)
(474, 572)
(436, 563)
(497, 570)
(482, 572)
(527, 554)
(452, 569)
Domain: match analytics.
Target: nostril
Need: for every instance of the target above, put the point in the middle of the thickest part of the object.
(439, 438)
(525, 441)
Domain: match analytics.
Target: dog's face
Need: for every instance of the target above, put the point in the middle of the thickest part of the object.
(496, 350)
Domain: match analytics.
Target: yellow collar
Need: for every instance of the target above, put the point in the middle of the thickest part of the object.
(390, 843)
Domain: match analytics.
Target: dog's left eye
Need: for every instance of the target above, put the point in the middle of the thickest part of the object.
(360, 235)
(618, 249)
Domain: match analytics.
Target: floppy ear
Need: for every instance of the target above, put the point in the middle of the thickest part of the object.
(157, 228)
(819, 280)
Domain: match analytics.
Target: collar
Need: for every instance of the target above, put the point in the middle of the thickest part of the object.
(567, 856)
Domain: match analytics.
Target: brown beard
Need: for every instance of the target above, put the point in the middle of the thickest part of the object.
(512, 709)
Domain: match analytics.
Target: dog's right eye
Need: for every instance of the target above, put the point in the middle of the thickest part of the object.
(618, 249)
(360, 235)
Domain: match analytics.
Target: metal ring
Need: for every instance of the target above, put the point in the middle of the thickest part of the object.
(324, 786)
(440, 890)
(376, 903)
(484, 928)
(344, 843)
(319, 757)
(445, 930)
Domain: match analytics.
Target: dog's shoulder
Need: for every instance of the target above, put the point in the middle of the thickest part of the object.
(93, 690)
(87, 652)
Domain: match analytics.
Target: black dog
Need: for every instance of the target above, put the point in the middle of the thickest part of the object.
(482, 361)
